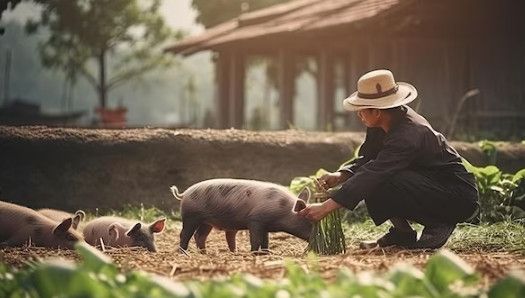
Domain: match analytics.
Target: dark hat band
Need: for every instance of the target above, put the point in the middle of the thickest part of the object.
(379, 94)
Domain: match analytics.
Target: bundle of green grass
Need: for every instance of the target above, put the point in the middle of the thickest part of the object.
(327, 236)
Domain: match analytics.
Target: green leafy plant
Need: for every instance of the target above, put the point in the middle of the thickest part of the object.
(490, 150)
(327, 236)
(445, 275)
(500, 195)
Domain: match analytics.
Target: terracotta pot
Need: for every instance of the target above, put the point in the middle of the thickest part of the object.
(115, 118)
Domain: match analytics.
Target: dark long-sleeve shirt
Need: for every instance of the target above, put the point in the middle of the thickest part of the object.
(410, 144)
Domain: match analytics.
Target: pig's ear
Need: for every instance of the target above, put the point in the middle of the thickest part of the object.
(113, 231)
(77, 218)
(299, 205)
(134, 229)
(305, 194)
(63, 226)
(81, 215)
(158, 226)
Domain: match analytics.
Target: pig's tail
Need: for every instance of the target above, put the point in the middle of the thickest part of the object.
(176, 193)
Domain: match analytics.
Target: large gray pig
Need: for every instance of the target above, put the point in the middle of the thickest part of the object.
(236, 204)
(59, 216)
(120, 232)
(20, 225)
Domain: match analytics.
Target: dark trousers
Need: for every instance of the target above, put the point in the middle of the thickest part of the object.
(425, 198)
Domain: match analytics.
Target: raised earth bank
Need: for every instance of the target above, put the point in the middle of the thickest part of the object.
(94, 168)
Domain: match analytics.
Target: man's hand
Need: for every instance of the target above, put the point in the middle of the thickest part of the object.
(318, 211)
(333, 179)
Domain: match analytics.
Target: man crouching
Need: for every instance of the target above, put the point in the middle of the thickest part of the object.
(406, 171)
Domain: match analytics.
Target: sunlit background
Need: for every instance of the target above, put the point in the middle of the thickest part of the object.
(467, 65)
(161, 98)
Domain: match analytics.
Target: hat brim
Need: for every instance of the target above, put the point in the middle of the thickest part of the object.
(405, 94)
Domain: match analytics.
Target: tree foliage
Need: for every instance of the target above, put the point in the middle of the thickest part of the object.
(8, 4)
(5, 5)
(211, 13)
(121, 37)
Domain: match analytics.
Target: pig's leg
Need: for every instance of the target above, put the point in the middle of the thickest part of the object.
(188, 229)
(15, 240)
(257, 233)
(200, 236)
(264, 243)
(230, 238)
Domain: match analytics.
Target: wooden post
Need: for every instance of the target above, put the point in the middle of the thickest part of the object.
(325, 90)
(236, 85)
(349, 81)
(286, 77)
(222, 80)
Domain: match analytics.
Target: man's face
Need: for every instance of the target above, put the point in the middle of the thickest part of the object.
(369, 117)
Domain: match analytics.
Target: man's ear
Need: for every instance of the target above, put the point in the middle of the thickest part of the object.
(299, 205)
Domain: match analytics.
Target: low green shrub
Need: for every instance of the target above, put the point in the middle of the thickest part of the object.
(445, 275)
(501, 195)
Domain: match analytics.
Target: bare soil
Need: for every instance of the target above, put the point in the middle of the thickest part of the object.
(83, 168)
(218, 261)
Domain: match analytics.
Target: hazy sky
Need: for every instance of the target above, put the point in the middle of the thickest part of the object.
(179, 14)
(166, 87)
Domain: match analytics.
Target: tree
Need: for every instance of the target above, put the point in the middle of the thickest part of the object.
(211, 13)
(8, 4)
(5, 5)
(121, 37)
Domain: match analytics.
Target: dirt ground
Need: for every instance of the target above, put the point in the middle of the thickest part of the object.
(86, 169)
(219, 262)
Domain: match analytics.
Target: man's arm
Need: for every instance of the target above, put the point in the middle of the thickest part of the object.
(318, 211)
(398, 153)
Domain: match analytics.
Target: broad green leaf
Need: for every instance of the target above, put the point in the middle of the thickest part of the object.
(509, 287)
(444, 268)
(173, 288)
(518, 176)
(93, 258)
(411, 281)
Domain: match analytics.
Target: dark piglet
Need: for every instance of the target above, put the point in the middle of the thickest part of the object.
(236, 204)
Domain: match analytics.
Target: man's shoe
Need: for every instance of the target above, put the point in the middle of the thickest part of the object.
(434, 236)
(398, 237)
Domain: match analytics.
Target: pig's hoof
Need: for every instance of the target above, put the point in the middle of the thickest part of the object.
(183, 251)
(367, 244)
(262, 252)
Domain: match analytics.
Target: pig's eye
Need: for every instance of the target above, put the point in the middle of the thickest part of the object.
(70, 237)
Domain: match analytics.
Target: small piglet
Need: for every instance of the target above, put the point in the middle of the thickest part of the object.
(20, 225)
(121, 232)
(236, 204)
(59, 215)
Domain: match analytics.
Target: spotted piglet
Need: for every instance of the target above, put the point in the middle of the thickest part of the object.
(120, 232)
(20, 225)
(236, 204)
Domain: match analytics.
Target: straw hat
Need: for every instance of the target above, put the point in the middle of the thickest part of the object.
(378, 90)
